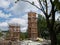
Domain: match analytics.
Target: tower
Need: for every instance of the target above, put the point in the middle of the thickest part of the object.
(32, 26)
(14, 31)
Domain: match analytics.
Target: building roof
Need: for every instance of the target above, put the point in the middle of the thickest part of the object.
(14, 24)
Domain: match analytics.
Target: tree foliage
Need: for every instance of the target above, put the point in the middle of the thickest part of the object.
(1, 34)
(57, 4)
(42, 27)
(23, 35)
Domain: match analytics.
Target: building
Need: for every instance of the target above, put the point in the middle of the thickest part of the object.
(14, 30)
(32, 26)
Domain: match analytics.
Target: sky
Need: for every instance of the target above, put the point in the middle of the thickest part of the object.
(11, 12)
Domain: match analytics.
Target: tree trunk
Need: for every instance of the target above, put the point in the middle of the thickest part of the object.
(53, 37)
(52, 33)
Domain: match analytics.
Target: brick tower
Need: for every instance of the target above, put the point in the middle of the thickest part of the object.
(14, 31)
(32, 26)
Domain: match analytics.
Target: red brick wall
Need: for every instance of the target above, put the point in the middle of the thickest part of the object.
(32, 25)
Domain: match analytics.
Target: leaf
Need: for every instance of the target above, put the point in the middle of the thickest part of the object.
(32, 3)
(57, 4)
(16, 1)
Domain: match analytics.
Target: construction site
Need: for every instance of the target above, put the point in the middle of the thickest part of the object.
(33, 39)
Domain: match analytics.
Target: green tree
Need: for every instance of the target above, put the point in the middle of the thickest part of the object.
(44, 7)
(1, 34)
(57, 4)
(58, 39)
(23, 35)
(42, 27)
(57, 27)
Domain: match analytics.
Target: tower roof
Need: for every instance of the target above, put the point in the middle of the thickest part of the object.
(31, 12)
(14, 24)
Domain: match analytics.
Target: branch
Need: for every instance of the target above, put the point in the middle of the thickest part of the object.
(50, 13)
(52, 9)
(46, 7)
(45, 4)
(43, 8)
(33, 5)
(37, 7)
(51, 1)
(41, 4)
(30, 3)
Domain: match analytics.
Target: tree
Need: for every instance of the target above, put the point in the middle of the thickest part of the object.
(57, 2)
(23, 35)
(58, 39)
(49, 13)
(42, 27)
(1, 34)
(57, 27)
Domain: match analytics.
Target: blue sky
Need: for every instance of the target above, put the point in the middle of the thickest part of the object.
(16, 13)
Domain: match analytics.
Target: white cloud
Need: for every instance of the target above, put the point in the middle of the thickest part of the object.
(21, 7)
(22, 22)
(17, 20)
(4, 3)
(57, 16)
(3, 15)
(3, 25)
(24, 29)
(25, 17)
